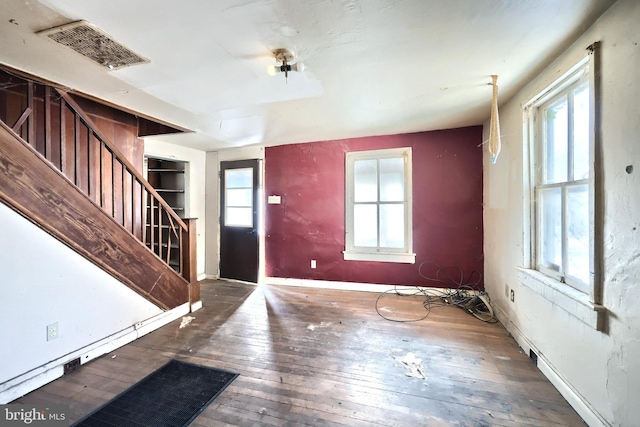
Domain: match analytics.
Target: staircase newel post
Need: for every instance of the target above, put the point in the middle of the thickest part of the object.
(189, 256)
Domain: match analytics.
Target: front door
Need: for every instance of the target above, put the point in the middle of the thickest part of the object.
(239, 250)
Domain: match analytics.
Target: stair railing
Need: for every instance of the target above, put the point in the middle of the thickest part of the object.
(65, 135)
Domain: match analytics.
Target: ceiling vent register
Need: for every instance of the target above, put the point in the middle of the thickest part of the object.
(91, 42)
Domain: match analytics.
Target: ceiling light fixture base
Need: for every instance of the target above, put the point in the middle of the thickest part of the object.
(284, 56)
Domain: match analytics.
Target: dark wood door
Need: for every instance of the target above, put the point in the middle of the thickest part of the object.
(239, 250)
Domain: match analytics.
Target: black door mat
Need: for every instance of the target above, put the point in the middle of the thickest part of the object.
(174, 395)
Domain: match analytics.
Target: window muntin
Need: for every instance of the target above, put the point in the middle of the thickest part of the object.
(563, 183)
(378, 206)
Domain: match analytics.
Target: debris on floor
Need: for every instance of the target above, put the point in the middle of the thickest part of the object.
(185, 321)
(413, 364)
(313, 327)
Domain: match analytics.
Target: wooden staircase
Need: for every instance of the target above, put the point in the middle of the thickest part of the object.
(61, 172)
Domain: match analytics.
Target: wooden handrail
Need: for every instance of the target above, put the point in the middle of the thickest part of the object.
(52, 122)
(39, 191)
(70, 101)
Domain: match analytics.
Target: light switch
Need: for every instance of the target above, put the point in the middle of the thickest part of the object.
(274, 200)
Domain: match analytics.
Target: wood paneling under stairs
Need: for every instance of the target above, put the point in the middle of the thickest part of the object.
(322, 357)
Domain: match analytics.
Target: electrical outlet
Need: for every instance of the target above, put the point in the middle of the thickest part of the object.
(512, 295)
(52, 331)
(313, 263)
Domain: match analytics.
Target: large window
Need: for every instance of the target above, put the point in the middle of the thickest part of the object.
(561, 127)
(378, 206)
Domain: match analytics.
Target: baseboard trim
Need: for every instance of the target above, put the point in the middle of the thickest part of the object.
(196, 306)
(36, 378)
(325, 284)
(579, 404)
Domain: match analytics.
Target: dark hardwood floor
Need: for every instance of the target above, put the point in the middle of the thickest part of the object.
(320, 357)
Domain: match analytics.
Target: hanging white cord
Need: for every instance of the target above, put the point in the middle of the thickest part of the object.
(494, 127)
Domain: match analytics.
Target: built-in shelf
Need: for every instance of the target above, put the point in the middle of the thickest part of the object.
(167, 177)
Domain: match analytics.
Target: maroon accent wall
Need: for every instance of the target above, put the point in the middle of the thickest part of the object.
(310, 221)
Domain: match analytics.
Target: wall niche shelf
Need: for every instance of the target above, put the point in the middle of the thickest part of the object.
(167, 177)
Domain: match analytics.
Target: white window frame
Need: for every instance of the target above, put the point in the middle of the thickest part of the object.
(565, 89)
(381, 254)
(584, 301)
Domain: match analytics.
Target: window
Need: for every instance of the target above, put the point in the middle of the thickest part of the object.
(561, 142)
(238, 197)
(378, 206)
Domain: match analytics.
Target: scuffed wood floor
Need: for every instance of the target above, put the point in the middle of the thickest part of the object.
(319, 357)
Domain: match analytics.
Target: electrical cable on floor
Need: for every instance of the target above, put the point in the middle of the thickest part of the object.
(465, 295)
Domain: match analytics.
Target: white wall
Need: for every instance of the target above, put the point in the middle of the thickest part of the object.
(44, 282)
(599, 372)
(195, 181)
(212, 227)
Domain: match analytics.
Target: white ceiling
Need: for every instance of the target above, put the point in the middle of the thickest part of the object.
(374, 67)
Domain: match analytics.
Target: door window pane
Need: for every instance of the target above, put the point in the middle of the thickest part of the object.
(365, 226)
(551, 228)
(392, 180)
(392, 226)
(238, 178)
(238, 197)
(239, 217)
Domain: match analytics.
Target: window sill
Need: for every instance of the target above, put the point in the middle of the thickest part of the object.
(571, 300)
(380, 257)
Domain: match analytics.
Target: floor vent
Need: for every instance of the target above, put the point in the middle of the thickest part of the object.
(94, 44)
(533, 356)
(71, 366)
